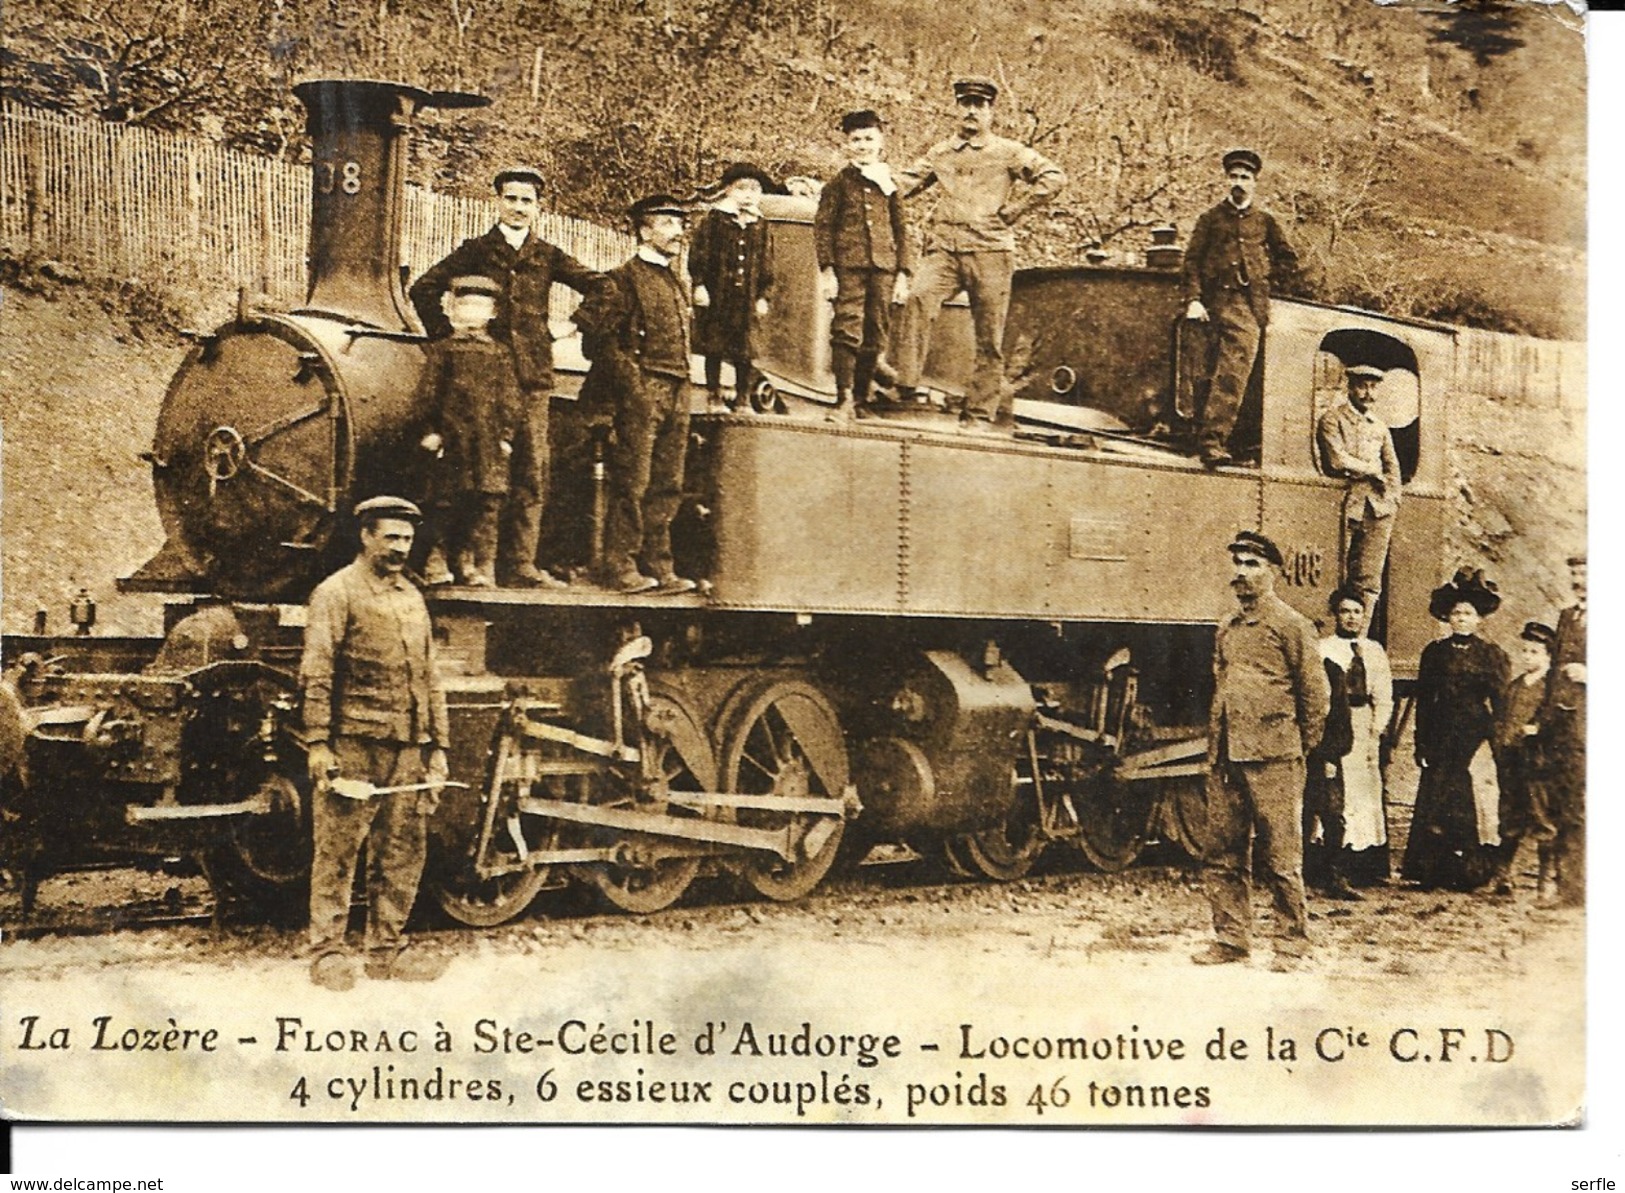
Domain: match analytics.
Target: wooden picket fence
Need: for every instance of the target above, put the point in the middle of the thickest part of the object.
(186, 216)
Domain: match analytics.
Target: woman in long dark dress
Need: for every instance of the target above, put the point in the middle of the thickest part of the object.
(1459, 688)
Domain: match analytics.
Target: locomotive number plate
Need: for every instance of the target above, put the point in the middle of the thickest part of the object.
(1097, 538)
(1305, 567)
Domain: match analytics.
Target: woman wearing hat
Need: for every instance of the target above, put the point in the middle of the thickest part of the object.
(1459, 689)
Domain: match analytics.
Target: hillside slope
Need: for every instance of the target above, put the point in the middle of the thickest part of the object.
(1431, 159)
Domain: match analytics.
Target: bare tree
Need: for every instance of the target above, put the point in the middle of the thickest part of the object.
(139, 61)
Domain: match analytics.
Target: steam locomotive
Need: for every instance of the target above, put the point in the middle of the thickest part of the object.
(977, 647)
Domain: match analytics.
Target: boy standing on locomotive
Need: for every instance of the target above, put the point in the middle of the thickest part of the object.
(865, 258)
(1236, 252)
(527, 266)
(635, 330)
(374, 711)
(730, 263)
(472, 400)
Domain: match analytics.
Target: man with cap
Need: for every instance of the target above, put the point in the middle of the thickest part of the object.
(1270, 701)
(987, 183)
(635, 330)
(865, 257)
(1563, 721)
(375, 711)
(1357, 445)
(1236, 253)
(730, 264)
(526, 266)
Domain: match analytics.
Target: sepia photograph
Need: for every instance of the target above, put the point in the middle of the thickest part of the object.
(794, 563)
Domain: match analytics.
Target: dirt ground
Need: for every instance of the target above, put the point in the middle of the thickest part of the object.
(898, 947)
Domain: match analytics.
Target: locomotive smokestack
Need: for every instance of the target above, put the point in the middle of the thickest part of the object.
(358, 130)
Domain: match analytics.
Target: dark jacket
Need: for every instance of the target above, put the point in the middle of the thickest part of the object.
(1459, 687)
(640, 314)
(1563, 711)
(858, 227)
(1235, 254)
(527, 278)
(734, 263)
(468, 394)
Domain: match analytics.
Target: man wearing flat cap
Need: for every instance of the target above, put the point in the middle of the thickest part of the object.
(1270, 701)
(374, 710)
(987, 183)
(1563, 720)
(1236, 253)
(1357, 445)
(635, 330)
(526, 266)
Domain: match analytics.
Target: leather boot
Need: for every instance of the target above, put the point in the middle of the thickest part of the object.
(1338, 888)
(844, 363)
(862, 377)
(713, 384)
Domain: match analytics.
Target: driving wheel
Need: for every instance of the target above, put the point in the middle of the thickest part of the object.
(784, 738)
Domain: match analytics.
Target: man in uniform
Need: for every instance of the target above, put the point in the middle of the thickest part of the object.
(635, 330)
(1236, 252)
(1357, 445)
(526, 266)
(987, 184)
(374, 711)
(1563, 728)
(1270, 700)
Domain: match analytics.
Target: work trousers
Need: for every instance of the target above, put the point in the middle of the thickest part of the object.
(1323, 801)
(1237, 335)
(1368, 552)
(1567, 807)
(395, 830)
(862, 317)
(527, 487)
(467, 531)
(1257, 808)
(646, 476)
(985, 279)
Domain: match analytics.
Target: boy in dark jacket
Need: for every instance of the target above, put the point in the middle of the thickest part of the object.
(1520, 760)
(865, 258)
(470, 397)
(730, 263)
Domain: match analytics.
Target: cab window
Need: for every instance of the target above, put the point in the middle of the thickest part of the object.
(1399, 393)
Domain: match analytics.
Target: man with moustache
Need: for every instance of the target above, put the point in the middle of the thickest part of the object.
(635, 329)
(1270, 701)
(1563, 728)
(526, 266)
(1236, 253)
(375, 711)
(987, 183)
(1357, 445)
